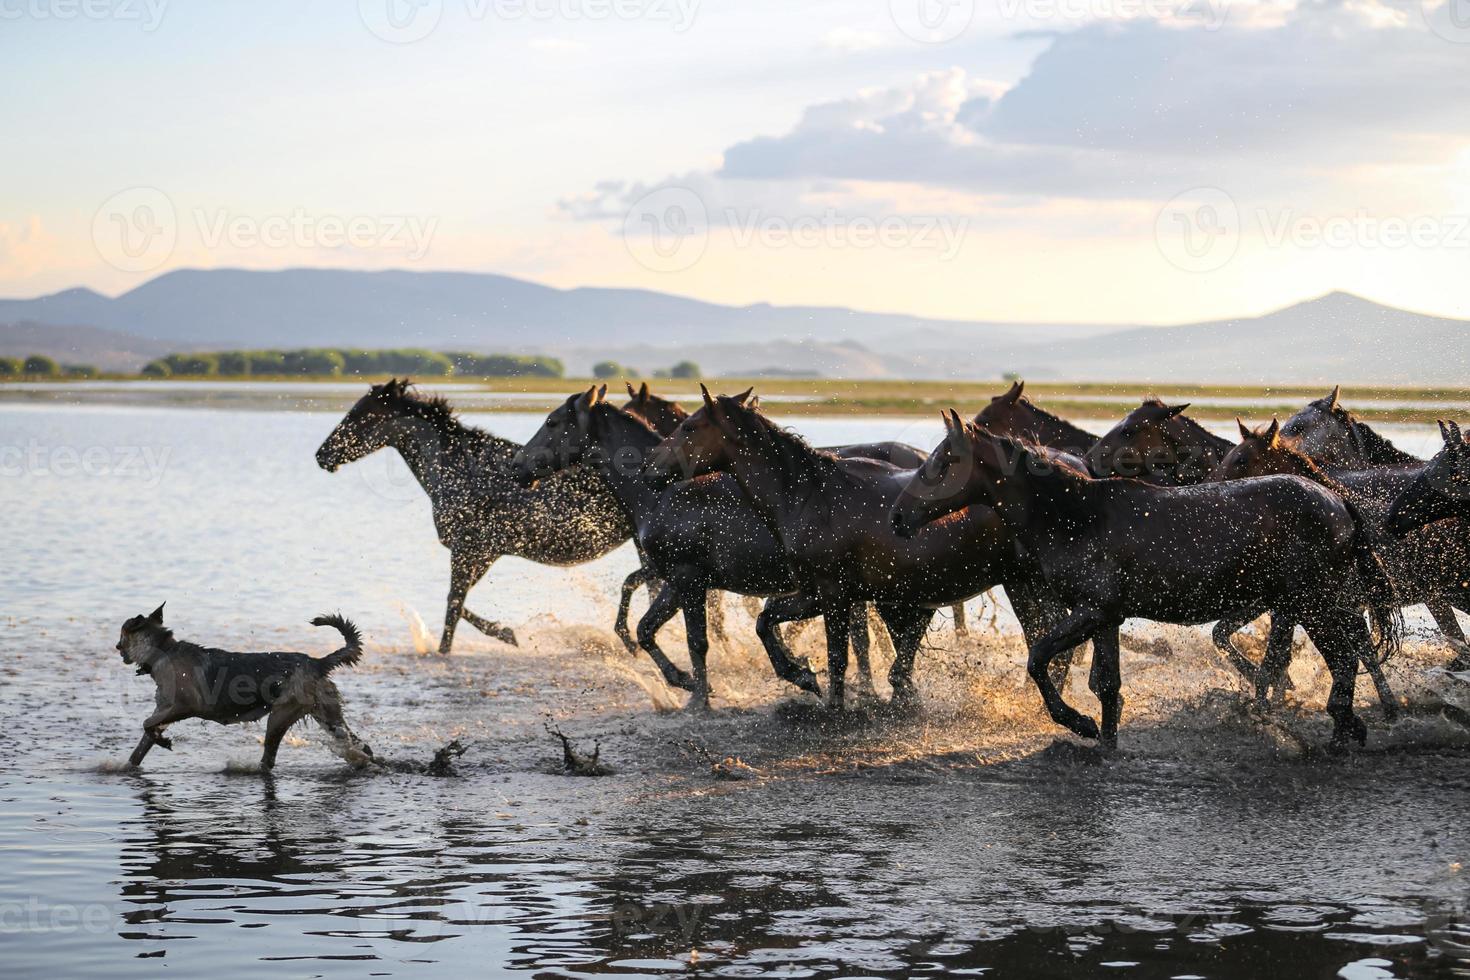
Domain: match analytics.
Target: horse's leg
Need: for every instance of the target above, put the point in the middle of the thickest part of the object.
(1271, 675)
(838, 620)
(1075, 629)
(784, 609)
(642, 575)
(1342, 639)
(696, 627)
(1106, 681)
(1224, 637)
(961, 628)
(860, 638)
(463, 574)
(1038, 614)
(1386, 698)
(660, 611)
(1444, 617)
(907, 625)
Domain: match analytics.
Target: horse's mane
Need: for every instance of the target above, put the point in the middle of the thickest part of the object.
(631, 416)
(440, 414)
(1072, 431)
(1313, 470)
(1377, 450)
(788, 450)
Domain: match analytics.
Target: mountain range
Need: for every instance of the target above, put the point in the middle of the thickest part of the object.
(1336, 337)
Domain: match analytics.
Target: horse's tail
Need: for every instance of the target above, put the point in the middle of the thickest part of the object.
(1384, 607)
(350, 654)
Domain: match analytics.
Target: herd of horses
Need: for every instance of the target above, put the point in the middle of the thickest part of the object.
(1320, 522)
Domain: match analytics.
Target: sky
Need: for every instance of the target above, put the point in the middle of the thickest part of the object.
(1121, 161)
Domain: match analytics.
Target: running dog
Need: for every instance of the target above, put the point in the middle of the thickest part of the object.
(228, 688)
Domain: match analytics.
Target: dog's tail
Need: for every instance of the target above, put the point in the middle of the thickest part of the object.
(349, 654)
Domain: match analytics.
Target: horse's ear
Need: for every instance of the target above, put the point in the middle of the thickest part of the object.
(1332, 398)
(643, 391)
(1015, 393)
(156, 616)
(1245, 433)
(744, 396)
(754, 404)
(631, 393)
(1273, 434)
(1455, 434)
(602, 394)
(956, 422)
(1174, 410)
(589, 397)
(708, 401)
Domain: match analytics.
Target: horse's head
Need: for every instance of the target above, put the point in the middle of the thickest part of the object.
(562, 440)
(1324, 431)
(662, 414)
(946, 482)
(1144, 444)
(367, 427)
(703, 442)
(1008, 413)
(1442, 490)
(1261, 452)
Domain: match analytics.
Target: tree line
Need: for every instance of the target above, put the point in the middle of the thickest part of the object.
(41, 366)
(337, 361)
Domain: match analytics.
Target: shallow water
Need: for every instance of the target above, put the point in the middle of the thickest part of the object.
(967, 839)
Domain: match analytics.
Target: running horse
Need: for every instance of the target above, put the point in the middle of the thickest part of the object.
(1013, 414)
(480, 512)
(1112, 550)
(1158, 444)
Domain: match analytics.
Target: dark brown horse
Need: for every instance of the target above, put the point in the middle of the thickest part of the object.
(1013, 414)
(1331, 435)
(480, 512)
(1118, 548)
(1440, 492)
(664, 414)
(697, 535)
(1158, 444)
(832, 519)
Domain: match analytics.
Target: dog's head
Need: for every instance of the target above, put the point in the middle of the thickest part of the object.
(143, 638)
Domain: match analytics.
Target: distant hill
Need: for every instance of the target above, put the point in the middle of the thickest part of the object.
(1337, 337)
(105, 349)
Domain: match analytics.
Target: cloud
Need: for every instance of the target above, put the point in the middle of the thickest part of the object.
(851, 40)
(1138, 110)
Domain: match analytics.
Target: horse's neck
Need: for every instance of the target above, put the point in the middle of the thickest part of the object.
(1378, 451)
(447, 460)
(1056, 498)
(615, 433)
(1197, 435)
(1058, 433)
(782, 482)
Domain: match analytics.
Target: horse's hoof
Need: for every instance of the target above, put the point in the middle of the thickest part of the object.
(1087, 728)
(1390, 711)
(905, 698)
(807, 681)
(505, 635)
(698, 706)
(681, 680)
(1360, 732)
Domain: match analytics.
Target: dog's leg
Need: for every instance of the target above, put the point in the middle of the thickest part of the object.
(153, 727)
(144, 744)
(328, 714)
(282, 717)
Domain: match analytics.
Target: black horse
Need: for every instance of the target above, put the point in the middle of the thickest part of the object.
(1115, 549)
(1440, 491)
(1013, 414)
(1334, 437)
(697, 536)
(1158, 444)
(479, 510)
(831, 517)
